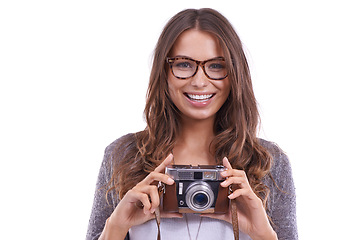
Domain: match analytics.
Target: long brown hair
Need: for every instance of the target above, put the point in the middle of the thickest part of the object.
(236, 122)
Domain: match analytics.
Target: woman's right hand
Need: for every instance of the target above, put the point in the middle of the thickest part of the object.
(138, 205)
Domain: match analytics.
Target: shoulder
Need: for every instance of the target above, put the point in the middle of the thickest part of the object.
(114, 156)
(125, 141)
(282, 197)
(280, 166)
(114, 153)
(280, 160)
(272, 148)
(118, 148)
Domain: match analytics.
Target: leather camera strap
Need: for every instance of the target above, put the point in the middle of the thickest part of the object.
(233, 207)
(234, 220)
(158, 212)
(158, 221)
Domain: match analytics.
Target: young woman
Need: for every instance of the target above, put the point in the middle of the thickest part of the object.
(200, 110)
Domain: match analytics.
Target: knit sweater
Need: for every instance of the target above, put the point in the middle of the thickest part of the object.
(281, 203)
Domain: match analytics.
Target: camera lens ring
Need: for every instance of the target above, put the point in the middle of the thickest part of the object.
(199, 196)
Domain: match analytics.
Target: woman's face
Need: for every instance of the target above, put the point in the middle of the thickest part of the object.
(198, 97)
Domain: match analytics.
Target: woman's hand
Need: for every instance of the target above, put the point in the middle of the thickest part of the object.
(252, 217)
(139, 204)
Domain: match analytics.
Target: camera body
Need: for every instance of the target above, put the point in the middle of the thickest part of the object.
(196, 189)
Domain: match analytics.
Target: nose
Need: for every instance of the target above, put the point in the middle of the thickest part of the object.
(199, 80)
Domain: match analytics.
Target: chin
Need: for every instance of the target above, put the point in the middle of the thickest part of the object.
(200, 116)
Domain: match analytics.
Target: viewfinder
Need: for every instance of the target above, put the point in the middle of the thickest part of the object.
(197, 175)
(209, 175)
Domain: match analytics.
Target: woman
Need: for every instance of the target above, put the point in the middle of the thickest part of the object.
(200, 110)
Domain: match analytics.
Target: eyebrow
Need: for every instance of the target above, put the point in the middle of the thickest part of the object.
(184, 56)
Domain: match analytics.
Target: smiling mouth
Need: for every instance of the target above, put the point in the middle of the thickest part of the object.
(199, 98)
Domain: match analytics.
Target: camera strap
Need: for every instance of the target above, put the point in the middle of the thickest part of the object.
(234, 220)
(158, 221)
(158, 212)
(233, 209)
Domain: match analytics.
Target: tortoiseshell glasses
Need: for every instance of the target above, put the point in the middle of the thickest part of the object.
(184, 67)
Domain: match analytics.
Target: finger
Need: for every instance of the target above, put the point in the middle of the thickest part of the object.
(168, 160)
(143, 198)
(232, 180)
(152, 192)
(154, 197)
(171, 215)
(226, 163)
(233, 173)
(237, 193)
(159, 177)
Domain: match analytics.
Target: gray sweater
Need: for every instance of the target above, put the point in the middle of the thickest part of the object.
(281, 203)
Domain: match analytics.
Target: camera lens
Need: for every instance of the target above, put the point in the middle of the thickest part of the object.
(200, 199)
(199, 196)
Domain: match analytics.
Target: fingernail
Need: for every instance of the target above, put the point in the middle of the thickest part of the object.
(153, 210)
(170, 181)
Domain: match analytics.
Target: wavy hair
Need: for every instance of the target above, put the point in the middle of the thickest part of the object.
(236, 122)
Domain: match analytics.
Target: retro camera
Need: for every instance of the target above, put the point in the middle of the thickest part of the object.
(196, 189)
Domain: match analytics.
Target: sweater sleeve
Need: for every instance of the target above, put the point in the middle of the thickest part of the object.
(282, 199)
(101, 208)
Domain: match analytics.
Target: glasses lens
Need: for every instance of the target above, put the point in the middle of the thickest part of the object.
(216, 69)
(183, 68)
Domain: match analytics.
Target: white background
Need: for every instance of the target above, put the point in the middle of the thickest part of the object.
(74, 76)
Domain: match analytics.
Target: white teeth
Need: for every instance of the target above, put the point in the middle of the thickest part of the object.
(200, 97)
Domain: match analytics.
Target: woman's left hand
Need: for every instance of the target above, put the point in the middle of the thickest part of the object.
(252, 217)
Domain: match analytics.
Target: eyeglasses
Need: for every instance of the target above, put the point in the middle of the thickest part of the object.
(184, 67)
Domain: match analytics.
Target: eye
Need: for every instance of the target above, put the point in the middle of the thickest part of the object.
(183, 65)
(216, 66)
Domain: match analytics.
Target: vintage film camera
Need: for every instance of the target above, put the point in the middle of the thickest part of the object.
(196, 189)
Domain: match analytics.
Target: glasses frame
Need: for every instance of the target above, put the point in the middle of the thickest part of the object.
(171, 60)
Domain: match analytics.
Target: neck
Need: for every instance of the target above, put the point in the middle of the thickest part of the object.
(200, 132)
(193, 143)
